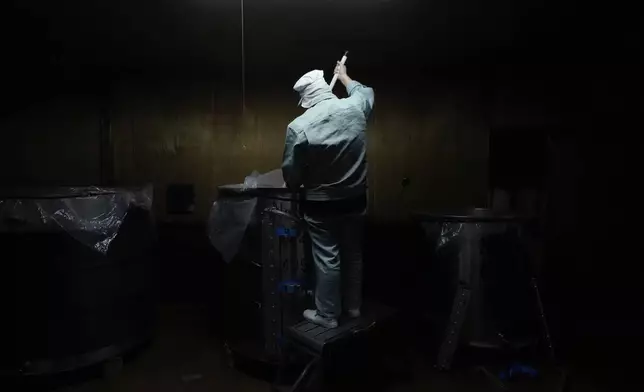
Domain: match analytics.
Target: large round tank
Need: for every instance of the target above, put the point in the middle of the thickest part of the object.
(78, 276)
(488, 254)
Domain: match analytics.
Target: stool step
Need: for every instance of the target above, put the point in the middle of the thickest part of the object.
(315, 338)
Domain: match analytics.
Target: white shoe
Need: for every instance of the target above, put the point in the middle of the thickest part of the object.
(353, 313)
(313, 316)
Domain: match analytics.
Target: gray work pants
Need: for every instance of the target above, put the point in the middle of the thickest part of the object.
(337, 255)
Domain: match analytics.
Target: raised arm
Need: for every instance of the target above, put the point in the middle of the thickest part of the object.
(356, 89)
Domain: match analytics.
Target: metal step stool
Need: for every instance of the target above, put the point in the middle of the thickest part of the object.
(322, 344)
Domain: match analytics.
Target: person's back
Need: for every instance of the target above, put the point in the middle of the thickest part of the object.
(326, 153)
(336, 154)
(326, 148)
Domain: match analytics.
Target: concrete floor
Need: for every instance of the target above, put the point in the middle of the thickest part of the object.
(186, 355)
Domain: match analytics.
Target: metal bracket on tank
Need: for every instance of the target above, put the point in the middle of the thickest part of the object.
(452, 332)
(286, 232)
(270, 278)
(280, 262)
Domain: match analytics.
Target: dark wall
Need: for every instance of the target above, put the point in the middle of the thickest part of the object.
(445, 72)
(54, 142)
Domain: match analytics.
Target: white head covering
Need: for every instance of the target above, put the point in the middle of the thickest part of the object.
(312, 88)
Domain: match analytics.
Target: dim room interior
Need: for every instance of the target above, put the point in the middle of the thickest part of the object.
(150, 240)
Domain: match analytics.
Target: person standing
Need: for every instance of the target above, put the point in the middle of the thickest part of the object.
(325, 153)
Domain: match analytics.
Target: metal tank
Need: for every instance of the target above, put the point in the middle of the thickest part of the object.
(481, 286)
(78, 277)
(259, 233)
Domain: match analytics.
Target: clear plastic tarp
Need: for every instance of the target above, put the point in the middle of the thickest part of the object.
(489, 254)
(91, 215)
(231, 214)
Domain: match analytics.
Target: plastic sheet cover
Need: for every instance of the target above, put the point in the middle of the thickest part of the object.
(91, 215)
(230, 217)
(449, 232)
(491, 256)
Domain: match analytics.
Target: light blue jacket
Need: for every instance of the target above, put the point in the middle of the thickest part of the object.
(326, 147)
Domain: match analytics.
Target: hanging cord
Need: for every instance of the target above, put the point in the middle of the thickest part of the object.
(243, 59)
